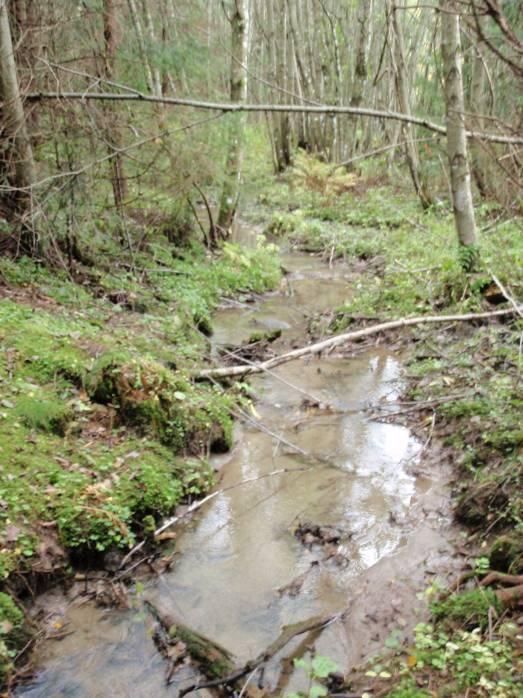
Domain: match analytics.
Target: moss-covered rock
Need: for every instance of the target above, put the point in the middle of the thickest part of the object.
(185, 417)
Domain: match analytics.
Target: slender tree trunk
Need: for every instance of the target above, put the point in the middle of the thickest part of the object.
(238, 92)
(138, 28)
(477, 106)
(118, 179)
(456, 138)
(15, 129)
(149, 28)
(360, 67)
(402, 92)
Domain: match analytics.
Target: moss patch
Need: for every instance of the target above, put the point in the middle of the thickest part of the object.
(102, 431)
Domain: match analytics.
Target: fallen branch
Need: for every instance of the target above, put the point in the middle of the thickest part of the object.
(511, 300)
(223, 107)
(332, 342)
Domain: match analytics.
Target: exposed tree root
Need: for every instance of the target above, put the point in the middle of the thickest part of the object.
(511, 596)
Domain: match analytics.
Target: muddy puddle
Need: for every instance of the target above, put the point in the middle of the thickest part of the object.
(354, 531)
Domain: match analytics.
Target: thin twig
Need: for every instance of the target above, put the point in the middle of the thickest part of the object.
(201, 502)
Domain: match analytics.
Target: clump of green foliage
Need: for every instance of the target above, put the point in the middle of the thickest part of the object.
(469, 609)
(312, 175)
(102, 430)
(317, 670)
(164, 404)
(449, 663)
(13, 633)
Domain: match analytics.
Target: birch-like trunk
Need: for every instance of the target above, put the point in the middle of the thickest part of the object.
(15, 129)
(456, 138)
(238, 92)
(142, 47)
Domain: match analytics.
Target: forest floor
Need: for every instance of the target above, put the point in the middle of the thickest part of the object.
(103, 432)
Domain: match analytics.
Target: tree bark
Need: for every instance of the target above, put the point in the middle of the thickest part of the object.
(15, 128)
(118, 179)
(477, 105)
(456, 136)
(238, 91)
(138, 28)
(360, 67)
(402, 92)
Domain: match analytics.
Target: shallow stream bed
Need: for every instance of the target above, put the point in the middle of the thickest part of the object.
(248, 564)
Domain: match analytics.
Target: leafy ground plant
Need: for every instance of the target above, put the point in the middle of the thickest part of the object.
(316, 670)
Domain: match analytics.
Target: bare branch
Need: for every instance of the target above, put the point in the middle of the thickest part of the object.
(329, 109)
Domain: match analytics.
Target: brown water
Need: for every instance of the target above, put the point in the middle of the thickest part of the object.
(236, 555)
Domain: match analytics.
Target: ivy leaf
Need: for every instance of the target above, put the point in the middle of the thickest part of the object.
(301, 664)
(317, 691)
(323, 666)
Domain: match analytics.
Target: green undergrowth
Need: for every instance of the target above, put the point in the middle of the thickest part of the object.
(102, 429)
(406, 261)
(13, 632)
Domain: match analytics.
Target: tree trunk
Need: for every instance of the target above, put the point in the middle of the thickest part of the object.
(118, 179)
(238, 91)
(14, 127)
(138, 28)
(456, 136)
(360, 68)
(402, 91)
(477, 105)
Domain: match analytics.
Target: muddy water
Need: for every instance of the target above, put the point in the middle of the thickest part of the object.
(240, 574)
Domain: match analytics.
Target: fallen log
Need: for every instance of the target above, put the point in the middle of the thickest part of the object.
(214, 661)
(211, 658)
(289, 632)
(332, 342)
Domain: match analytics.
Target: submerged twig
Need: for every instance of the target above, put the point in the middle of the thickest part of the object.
(201, 502)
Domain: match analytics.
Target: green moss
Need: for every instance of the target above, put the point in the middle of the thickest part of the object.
(13, 633)
(215, 661)
(266, 336)
(45, 414)
(408, 689)
(506, 553)
(162, 403)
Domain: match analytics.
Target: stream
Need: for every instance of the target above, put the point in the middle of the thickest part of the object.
(240, 573)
